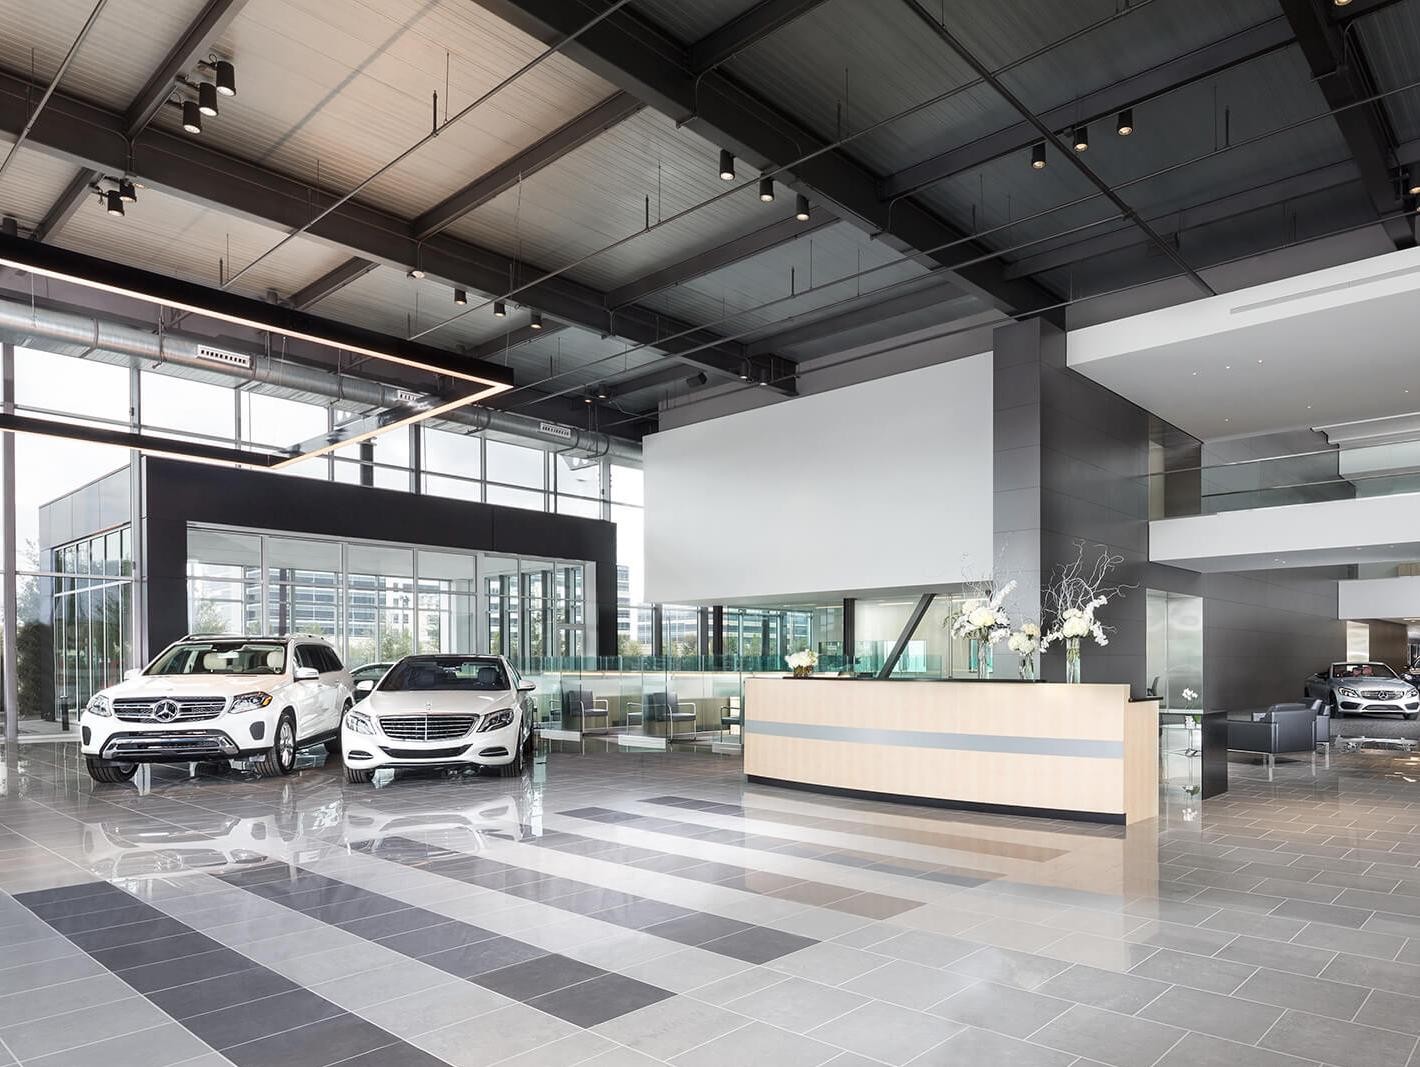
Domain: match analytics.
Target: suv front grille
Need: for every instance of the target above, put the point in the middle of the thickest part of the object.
(426, 727)
(189, 709)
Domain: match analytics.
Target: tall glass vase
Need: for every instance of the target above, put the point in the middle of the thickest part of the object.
(1028, 667)
(981, 659)
(1072, 661)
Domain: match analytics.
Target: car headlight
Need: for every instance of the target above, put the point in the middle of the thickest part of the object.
(250, 701)
(1343, 691)
(496, 721)
(1412, 694)
(98, 705)
(359, 723)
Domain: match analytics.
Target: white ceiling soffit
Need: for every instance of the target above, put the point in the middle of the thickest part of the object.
(1337, 345)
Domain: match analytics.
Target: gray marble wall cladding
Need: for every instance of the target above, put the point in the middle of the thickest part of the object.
(653, 909)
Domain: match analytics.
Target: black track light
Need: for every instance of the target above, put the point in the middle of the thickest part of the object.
(460, 297)
(114, 203)
(602, 393)
(207, 99)
(1412, 182)
(1124, 124)
(535, 320)
(226, 76)
(766, 190)
(126, 191)
(415, 272)
(801, 208)
(587, 399)
(191, 117)
(695, 381)
(744, 373)
(727, 165)
(500, 309)
(1082, 138)
(1341, 3)
(1037, 155)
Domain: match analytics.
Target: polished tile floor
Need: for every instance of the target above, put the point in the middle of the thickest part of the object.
(646, 908)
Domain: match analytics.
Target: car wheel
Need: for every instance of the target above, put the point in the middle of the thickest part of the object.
(102, 770)
(280, 758)
(358, 775)
(517, 766)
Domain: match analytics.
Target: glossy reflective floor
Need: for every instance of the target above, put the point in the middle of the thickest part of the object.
(648, 908)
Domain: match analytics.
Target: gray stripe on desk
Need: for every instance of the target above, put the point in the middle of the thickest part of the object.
(1019, 746)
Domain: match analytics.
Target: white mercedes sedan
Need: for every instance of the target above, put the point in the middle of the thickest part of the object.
(440, 710)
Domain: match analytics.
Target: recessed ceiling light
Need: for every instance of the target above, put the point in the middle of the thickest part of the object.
(1228, 366)
(1226, 419)
(1259, 361)
(1195, 374)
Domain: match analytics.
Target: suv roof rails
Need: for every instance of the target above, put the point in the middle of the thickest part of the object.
(255, 637)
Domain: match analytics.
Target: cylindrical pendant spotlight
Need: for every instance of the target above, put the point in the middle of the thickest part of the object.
(766, 190)
(801, 208)
(727, 165)
(113, 203)
(1082, 138)
(207, 98)
(1037, 155)
(226, 76)
(460, 297)
(1125, 122)
(500, 309)
(535, 320)
(126, 191)
(191, 117)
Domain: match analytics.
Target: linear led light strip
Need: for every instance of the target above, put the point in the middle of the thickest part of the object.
(491, 388)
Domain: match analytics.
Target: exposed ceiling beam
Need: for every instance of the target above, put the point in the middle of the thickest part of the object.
(1198, 65)
(644, 60)
(93, 137)
(745, 30)
(192, 46)
(496, 347)
(332, 281)
(653, 377)
(1343, 76)
(938, 296)
(1124, 235)
(722, 255)
(614, 109)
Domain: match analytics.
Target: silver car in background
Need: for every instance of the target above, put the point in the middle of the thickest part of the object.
(1364, 688)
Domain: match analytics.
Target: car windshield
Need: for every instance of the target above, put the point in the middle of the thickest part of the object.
(237, 656)
(420, 673)
(1361, 670)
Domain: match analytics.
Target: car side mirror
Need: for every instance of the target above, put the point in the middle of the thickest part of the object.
(526, 686)
(365, 687)
(131, 673)
(307, 674)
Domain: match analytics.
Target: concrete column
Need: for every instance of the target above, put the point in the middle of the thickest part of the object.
(8, 598)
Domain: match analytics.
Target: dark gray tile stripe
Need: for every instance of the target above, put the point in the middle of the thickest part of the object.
(727, 937)
(1017, 746)
(250, 1014)
(936, 838)
(925, 871)
(557, 984)
(746, 879)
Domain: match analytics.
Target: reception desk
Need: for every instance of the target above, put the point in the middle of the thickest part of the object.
(1071, 751)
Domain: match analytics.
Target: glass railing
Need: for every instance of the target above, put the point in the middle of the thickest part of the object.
(1275, 481)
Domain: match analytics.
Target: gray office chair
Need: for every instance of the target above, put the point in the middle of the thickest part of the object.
(666, 708)
(1273, 732)
(588, 714)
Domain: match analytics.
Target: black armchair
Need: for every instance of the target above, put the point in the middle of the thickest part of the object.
(1324, 736)
(583, 712)
(1277, 730)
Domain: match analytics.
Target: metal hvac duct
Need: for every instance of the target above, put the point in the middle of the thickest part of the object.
(21, 321)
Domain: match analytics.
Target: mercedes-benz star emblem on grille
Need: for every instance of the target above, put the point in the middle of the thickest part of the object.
(165, 711)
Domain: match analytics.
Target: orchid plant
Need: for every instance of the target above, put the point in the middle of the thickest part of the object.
(1076, 594)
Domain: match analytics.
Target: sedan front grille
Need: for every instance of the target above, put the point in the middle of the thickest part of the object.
(1380, 694)
(426, 727)
(189, 709)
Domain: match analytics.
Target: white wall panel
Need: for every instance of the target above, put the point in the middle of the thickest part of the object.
(1379, 598)
(881, 485)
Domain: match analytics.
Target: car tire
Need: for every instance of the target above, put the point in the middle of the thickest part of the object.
(517, 766)
(108, 772)
(332, 746)
(280, 758)
(1336, 712)
(359, 775)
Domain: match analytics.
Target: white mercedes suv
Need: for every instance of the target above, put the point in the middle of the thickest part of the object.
(441, 710)
(217, 697)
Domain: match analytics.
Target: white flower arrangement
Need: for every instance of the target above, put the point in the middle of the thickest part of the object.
(1025, 641)
(984, 619)
(803, 660)
(1074, 596)
(1189, 696)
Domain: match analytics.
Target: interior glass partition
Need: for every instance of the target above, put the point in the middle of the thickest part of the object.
(89, 625)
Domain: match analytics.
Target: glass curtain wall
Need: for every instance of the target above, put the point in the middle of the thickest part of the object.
(90, 586)
(377, 602)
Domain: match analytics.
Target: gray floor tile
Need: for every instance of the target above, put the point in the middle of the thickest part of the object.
(666, 1029)
(1199, 972)
(1341, 1043)
(1201, 1050)
(1278, 955)
(929, 949)
(494, 1036)
(973, 1046)
(1381, 946)
(1125, 993)
(909, 985)
(523, 981)
(1005, 967)
(1334, 914)
(161, 1046)
(886, 1032)
(797, 1004)
(82, 1026)
(757, 1043)
(1211, 1013)
(241, 1023)
(1104, 1036)
(1378, 974)
(598, 999)
(1004, 1009)
(758, 945)
(1281, 989)
(1390, 1011)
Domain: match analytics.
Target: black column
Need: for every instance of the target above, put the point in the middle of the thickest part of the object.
(367, 463)
(717, 638)
(658, 631)
(850, 634)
